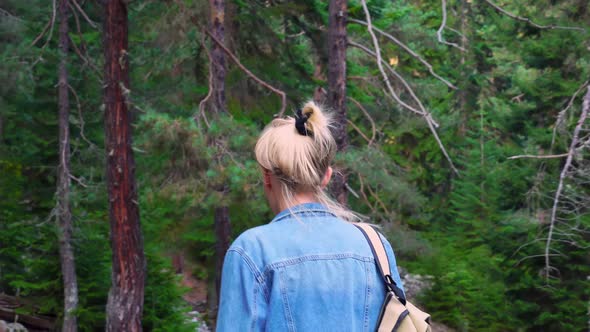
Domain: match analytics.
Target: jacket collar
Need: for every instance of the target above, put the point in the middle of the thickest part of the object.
(303, 209)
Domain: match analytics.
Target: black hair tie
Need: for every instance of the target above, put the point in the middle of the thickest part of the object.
(300, 121)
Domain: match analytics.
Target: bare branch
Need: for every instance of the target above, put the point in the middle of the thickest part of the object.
(204, 101)
(563, 175)
(423, 112)
(78, 180)
(394, 73)
(7, 14)
(365, 198)
(409, 50)
(351, 190)
(547, 156)
(528, 21)
(249, 73)
(80, 118)
(92, 24)
(42, 33)
(442, 27)
(562, 113)
(51, 25)
(358, 130)
(373, 128)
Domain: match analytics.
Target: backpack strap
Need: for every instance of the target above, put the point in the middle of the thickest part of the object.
(381, 259)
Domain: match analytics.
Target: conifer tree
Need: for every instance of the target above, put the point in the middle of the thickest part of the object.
(64, 213)
(125, 301)
(337, 12)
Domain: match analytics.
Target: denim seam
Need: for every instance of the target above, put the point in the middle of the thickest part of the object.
(286, 307)
(258, 276)
(312, 212)
(367, 294)
(254, 308)
(317, 257)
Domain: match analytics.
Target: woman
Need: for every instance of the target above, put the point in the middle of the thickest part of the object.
(309, 269)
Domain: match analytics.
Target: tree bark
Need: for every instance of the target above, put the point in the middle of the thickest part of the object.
(218, 61)
(337, 87)
(125, 301)
(218, 104)
(64, 213)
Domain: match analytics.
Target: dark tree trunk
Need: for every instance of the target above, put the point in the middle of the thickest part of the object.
(223, 235)
(337, 87)
(218, 63)
(218, 104)
(64, 213)
(125, 302)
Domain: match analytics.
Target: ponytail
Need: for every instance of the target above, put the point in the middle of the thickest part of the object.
(298, 151)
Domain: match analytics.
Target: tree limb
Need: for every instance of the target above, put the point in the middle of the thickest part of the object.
(562, 113)
(380, 62)
(394, 73)
(51, 24)
(410, 51)
(92, 24)
(204, 101)
(547, 156)
(442, 27)
(373, 127)
(562, 176)
(251, 75)
(528, 21)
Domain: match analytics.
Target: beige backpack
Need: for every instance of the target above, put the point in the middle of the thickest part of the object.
(397, 314)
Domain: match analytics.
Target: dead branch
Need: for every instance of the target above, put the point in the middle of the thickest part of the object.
(528, 21)
(394, 73)
(92, 24)
(442, 27)
(365, 198)
(563, 112)
(383, 206)
(5, 13)
(373, 128)
(11, 309)
(51, 25)
(77, 50)
(562, 176)
(210, 92)
(78, 180)
(409, 50)
(351, 190)
(547, 156)
(85, 59)
(41, 34)
(80, 117)
(358, 130)
(423, 112)
(251, 75)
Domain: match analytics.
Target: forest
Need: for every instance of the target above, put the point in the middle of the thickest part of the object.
(127, 130)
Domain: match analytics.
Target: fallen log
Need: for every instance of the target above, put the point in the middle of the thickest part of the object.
(24, 311)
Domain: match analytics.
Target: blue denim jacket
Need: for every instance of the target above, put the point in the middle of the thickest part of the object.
(304, 271)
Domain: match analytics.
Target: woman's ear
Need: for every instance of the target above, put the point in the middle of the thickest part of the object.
(327, 177)
(266, 178)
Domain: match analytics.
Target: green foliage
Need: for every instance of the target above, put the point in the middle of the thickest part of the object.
(479, 233)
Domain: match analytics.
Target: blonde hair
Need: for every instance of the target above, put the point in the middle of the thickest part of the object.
(300, 160)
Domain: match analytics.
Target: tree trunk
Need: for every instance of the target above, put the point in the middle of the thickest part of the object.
(64, 213)
(125, 302)
(223, 235)
(218, 104)
(218, 63)
(337, 86)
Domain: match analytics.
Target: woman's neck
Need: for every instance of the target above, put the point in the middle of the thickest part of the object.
(299, 198)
